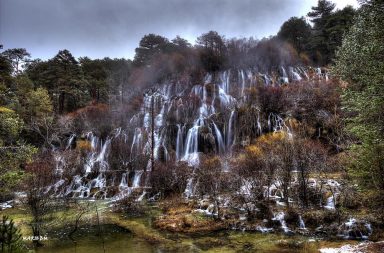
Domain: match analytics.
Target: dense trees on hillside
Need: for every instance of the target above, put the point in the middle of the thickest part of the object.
(360, 62)
(328, 29)
(297, 32)
(319, 41)
(212, 51)
(72, 84)
(319, 16)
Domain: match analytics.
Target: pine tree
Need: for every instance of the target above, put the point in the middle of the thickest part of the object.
(360, 62)
(297, 32)
(319, 16)
(10, 237)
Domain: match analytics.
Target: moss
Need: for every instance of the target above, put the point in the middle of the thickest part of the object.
(181, 218)
(315, 218)
(137, 228)
(270, 138)
(5, 110)
(83, 145)
(209, 243)
(188, 223)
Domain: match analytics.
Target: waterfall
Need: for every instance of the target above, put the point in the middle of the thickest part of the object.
(92, 156)
(208, 79)
(277, 123)
(179, 141)
(101, 156)
(224, 78)
(191, 146)
(285, 76)
(230, 131)
(295, 75)
(259, 129)
(206, 111)
(280, 217)
(94, 140)
(219, 139)
(242, 82)
(189, 188)
(136, 178)
(301, 223)
(141, 197)
(192, 140)
(136, 146)
(250, 77)
(70, 140)
(123, 184)
(330, 203)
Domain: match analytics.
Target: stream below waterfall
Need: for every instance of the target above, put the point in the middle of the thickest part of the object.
(117, 240)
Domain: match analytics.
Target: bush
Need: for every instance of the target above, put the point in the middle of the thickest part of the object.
(169, 179)
(130, 206)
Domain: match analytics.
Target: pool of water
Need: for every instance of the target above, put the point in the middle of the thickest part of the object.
(114, 239)
(107, 238)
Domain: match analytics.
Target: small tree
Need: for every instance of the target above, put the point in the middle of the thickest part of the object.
(40, 175)
(213, 51)
(212, 181)
(310, 158)
(251, 169)
(10, 237)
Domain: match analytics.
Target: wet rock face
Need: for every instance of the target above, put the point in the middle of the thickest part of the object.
(316, 218)
(292, 218)
(206, 141)
(183, 121)
(355, 229)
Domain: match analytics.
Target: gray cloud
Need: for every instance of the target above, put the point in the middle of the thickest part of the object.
(113, 28)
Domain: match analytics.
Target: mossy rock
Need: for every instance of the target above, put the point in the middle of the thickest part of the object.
(181, 219)
(290, 244)
(292, 217)
(315, 218)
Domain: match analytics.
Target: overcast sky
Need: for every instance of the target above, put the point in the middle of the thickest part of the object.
(113, 28)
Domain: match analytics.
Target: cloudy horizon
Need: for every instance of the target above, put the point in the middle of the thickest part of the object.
(113, 29)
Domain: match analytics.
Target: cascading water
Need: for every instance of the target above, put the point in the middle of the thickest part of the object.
(285, 76)
(136, 179)
(230, 134)
(179, 141)
(301, 223)
(295, 75)
(242, 82)
(137, 143)
(178, 117)
(280, 217)
(123, 184)
(70, 141)
(191, 150)
(219, 139)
